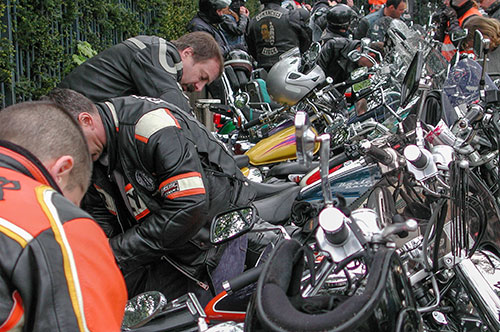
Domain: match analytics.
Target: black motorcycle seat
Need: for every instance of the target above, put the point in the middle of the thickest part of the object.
(264, 190)
(284, 169)
(277, 209)
(242, 160)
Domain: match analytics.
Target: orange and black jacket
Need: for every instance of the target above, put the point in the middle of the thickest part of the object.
(57, 272)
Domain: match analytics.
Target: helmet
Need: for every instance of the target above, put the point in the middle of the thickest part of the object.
(340, 16)
(287, 85)
(240, 59)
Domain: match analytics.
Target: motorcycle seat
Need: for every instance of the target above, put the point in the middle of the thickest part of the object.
(284, 169)
(277, 209)
(264, 190)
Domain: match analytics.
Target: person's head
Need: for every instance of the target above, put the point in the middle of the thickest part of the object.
(50, 133)
(202, 60)
(85, 113)
(339, 17)
(213, 10)
(489, 27)
(395, 8)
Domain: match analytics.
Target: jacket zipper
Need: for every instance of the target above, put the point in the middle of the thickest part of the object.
(174, 264)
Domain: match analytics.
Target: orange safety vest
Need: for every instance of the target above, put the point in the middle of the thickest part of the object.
(448, 49)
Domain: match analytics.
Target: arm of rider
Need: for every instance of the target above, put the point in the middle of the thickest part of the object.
(179, 208)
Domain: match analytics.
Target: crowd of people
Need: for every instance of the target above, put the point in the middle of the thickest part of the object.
(108, 185)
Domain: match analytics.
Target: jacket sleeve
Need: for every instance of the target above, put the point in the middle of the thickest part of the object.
(299, 20)
(181, 193)
(250, 40)
(235, 28)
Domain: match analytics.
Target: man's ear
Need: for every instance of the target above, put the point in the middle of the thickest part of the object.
(86, 120)
(60, 169)
(187, 52)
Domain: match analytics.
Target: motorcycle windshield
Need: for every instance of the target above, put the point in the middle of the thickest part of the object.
(461, 87)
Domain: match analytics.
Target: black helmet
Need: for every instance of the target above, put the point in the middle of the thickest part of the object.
(340, 17)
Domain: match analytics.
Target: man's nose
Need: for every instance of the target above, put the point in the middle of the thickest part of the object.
(199, 86)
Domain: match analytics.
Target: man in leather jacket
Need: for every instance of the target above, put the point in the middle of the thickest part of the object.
(58, 271)
(392, 8)
(209, 19)
(275, 30)
(163, 177)
(149, 66)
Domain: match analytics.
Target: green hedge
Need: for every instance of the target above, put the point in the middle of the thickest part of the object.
(45, 39)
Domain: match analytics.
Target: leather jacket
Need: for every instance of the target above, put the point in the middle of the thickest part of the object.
(163, 179)
(201, 22)
(275, 30)
(366, 22)
(333, 58)
(58, 271)
(142, 65)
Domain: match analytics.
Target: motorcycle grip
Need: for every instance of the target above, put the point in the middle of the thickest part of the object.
(338, 160)
(251, 123)
(380, 155)
(243, 280)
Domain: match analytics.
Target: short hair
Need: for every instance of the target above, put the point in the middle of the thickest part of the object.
(74, 102)
(394, 3)
(489, 27)
(48, 131)
(204, 47)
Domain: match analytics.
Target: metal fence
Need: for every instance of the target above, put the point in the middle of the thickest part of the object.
(21, 57)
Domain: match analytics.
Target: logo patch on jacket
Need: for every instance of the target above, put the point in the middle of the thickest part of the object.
(170, 188)
(145, 180)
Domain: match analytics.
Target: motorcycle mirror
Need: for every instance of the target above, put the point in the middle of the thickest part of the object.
(460, 34)
(354, 55)
(480, 44)
(142, 308)
(314, 51)
(304, 139)
(230, 224)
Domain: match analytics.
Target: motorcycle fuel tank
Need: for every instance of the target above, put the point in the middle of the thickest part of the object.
(276, 148)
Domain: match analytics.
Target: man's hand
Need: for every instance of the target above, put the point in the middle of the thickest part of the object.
(244, 11)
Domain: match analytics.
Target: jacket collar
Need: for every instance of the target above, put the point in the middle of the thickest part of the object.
(14, 157)
(110, 122)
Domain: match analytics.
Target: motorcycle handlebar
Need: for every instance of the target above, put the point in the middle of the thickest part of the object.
(251, 123)
(338, 160)
(243, 280)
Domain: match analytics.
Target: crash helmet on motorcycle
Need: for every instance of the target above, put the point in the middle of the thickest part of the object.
(340, 17)
(239, 59)
(287, 85)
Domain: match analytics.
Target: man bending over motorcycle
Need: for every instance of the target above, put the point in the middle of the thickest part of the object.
(162, 177)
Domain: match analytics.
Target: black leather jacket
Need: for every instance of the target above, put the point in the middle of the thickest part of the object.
(142, 65)
(202, 22)
(163, 179)
(276, 30)
(333, 58)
